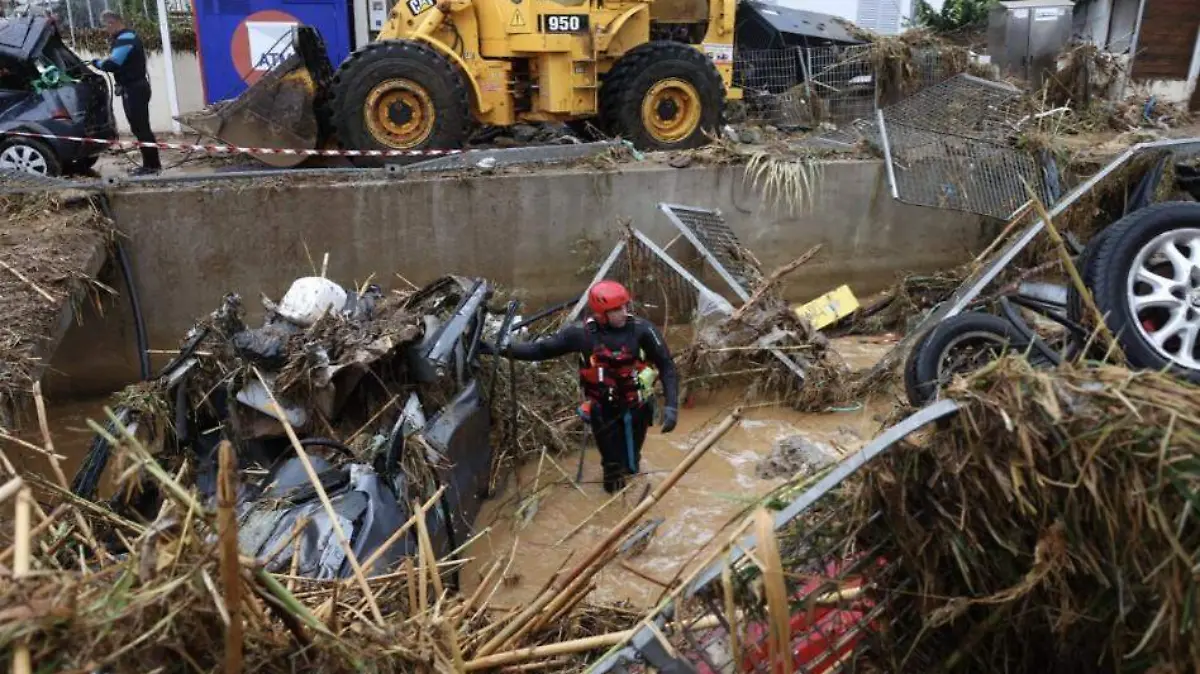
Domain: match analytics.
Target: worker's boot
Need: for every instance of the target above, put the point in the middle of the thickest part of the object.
(614, 478)
(144, 171)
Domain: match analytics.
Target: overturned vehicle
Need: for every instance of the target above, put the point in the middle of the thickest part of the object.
(381, 392)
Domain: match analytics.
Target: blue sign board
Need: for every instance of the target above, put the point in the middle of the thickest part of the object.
(239, 40)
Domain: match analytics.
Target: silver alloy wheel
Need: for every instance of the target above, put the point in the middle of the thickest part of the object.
(25, 158)
(1163, 291)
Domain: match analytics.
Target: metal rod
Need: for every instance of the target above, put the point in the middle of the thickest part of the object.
(887, 154)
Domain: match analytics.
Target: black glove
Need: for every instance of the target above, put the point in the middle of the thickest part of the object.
(486, 349)
(670, 416)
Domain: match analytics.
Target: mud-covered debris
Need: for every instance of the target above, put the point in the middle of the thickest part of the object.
(794, 456)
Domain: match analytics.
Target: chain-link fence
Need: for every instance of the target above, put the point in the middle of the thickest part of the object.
(798, 86)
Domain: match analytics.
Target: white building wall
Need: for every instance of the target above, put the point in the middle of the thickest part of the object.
(187, 84)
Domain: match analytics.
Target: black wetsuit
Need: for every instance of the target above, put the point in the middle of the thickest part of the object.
(609, 360)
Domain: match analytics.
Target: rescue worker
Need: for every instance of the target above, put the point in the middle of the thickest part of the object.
(616, 351)
(127, 62)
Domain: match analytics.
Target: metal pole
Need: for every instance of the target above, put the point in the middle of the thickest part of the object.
(1133, 44)
(164, 33)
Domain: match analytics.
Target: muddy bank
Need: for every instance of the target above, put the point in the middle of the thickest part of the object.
(51, 246)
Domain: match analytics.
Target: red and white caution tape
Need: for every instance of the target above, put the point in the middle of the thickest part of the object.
(233, 149)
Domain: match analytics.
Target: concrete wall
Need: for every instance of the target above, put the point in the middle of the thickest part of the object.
(187, 85)
(192, 244)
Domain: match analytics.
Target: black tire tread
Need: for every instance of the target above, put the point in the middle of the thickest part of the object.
(921, 385)
(1086, 265)
(451, 130)
(1128, 234)
(619, 94)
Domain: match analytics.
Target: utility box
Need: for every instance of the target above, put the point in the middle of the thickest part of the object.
(1025, 37)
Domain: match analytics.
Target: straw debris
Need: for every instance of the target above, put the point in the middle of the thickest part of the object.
(1049, 527)
(47, 240)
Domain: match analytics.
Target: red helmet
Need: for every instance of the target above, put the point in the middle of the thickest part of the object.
(606, 296)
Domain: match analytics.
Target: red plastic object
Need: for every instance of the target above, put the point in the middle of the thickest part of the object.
(820, 637)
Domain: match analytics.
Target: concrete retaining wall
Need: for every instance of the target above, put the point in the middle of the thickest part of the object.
(190, 244)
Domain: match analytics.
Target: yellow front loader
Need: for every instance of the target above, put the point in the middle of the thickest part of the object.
(656, 73)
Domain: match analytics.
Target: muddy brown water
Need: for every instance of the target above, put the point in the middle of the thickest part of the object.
(716, 489)
(721, 485)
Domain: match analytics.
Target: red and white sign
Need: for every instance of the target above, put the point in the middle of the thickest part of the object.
(261, 41)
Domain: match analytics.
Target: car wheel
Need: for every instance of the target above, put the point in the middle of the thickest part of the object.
(1146, 281)
(1085, 265)
(28, 155)
(958, 345)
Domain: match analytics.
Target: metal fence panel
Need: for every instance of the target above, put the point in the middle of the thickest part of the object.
(950, 146)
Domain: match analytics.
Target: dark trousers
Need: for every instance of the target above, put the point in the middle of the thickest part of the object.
(619, 440)
(136, 100)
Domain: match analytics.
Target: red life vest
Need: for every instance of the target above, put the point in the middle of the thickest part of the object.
(610, 377)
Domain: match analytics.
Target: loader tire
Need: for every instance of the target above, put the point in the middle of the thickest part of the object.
(662, 96)
(399, 95)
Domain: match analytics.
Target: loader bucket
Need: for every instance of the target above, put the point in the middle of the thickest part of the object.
(280, 110)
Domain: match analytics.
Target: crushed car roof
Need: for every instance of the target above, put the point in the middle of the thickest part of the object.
(21, 38)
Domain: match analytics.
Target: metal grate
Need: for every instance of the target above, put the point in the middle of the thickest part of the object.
(706, 230)
(656, 280)
(964, 105)
(717, 244)
(950, 146)
(689, 632)
(958, 173)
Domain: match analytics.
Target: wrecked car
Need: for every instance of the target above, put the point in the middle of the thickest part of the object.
(45, 88)
(381, 392)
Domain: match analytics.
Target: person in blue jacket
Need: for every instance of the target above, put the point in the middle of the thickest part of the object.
(127, 63)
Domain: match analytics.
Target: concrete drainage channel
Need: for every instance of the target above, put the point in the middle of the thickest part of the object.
(414, 489)
(375, 438)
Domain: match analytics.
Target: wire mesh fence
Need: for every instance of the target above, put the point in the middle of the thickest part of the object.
(665, 289)
(798, 86)
(951, 146)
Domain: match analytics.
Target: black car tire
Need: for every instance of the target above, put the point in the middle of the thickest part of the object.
(1114, 262)
(923, 369)
(32, 145)
(421, 75)
(1085, 265)
(636, 75)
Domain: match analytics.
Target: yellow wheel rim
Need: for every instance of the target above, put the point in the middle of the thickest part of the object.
(399, 114)
(671, 110)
